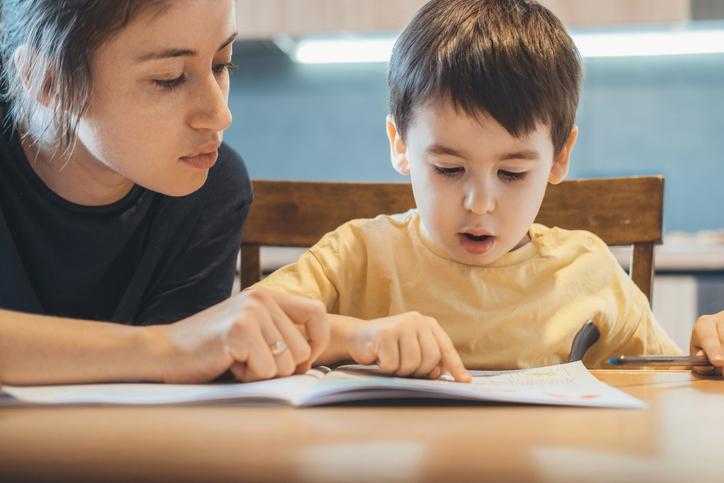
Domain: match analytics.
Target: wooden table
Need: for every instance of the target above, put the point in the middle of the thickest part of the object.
(679, 437)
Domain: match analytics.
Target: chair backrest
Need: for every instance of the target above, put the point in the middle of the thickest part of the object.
(622, 211)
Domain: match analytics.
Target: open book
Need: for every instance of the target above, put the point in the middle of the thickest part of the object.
(565, 384)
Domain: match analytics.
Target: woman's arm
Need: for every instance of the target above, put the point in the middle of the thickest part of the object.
(234, 335)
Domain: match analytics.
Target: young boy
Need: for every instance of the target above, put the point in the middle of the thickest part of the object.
(483, 95)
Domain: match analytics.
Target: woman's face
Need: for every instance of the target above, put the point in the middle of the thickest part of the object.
(159, 101)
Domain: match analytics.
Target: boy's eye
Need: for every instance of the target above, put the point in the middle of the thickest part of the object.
(511, 175)
(449, 172)
(221, 68)
(170, 84)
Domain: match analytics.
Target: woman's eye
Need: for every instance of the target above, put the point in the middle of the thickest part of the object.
(449, 172)
(171, 84)
(221, 68)
(511, 175)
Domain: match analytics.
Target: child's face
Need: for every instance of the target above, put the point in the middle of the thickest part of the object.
(159, 98)
(478, 189)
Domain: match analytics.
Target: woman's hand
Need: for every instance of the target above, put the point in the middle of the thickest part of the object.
(708, 338)
(408, 344)
(258, 334)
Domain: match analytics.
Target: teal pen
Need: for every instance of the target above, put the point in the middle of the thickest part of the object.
(663, 361)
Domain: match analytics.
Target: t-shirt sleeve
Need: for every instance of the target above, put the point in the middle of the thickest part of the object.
(202, 274)
(16, 290)
(306, 277)
(328, 272)
(648, 337)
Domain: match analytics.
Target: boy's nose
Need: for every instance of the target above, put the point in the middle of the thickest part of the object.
(479, 200)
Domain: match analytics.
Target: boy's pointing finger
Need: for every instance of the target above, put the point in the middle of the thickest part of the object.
(450, 357)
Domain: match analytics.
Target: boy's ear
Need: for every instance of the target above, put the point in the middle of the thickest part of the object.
(398, 148)
(559, 170)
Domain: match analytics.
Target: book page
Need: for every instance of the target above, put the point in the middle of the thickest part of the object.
(565, 384)
(287, 391)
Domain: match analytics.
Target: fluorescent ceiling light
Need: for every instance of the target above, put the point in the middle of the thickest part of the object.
(633, 44)
(676, 41)
(344, 50)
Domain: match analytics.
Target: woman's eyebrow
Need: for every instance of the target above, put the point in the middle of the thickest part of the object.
(170, 53)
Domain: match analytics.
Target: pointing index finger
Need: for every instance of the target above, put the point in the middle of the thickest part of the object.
(450, 357)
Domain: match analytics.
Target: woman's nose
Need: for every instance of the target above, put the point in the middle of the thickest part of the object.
(211, 109)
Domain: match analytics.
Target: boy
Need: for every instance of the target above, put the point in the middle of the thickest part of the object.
(483, 96)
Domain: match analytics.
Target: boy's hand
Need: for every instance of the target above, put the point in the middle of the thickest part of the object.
(407, 345)
(708, 338)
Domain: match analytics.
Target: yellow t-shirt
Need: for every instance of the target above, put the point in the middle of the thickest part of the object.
(523, 310)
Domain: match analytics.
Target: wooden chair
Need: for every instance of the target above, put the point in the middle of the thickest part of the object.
(622, 211)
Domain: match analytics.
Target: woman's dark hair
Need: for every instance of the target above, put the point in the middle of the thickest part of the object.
(510, 59)
(47, 47)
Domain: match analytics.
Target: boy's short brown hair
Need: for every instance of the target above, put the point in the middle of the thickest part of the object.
(510, 59)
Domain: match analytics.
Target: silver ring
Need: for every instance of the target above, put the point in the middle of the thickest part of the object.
(278, 348)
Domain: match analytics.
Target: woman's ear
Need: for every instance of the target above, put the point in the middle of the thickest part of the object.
(38, 76)
(398, 148)
(559, 170)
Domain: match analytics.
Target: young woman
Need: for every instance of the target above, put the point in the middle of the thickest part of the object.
(121, 210)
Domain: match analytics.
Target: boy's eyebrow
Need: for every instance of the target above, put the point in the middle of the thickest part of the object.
(439, 149)
(525, 154)
(169, 53)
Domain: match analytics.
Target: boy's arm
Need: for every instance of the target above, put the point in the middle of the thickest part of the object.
(707, 338)
(335, 269)
(408, 344)
(620, 310)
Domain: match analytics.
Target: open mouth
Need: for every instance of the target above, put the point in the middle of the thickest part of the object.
(476, 238)
(476, 244)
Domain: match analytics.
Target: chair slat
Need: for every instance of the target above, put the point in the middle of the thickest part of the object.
(621, 211)
(298, 214)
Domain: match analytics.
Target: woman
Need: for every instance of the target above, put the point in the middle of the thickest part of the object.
(120, 203)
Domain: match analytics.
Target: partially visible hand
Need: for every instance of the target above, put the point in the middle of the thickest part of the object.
(708, 338)
(408, 344)
(239, 334)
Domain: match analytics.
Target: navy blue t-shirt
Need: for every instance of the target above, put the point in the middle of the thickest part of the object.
(146, 259)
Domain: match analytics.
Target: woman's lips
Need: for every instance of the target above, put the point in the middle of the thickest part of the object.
(202, 160)
(476, 245)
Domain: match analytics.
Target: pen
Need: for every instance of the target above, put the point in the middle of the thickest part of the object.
(680, 361)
